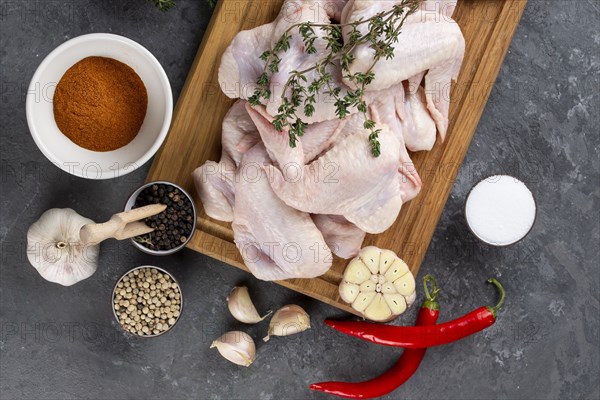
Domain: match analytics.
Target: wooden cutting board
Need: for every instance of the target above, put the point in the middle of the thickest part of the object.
(195, 135)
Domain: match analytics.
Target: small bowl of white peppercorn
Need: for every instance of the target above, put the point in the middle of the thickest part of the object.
(147, 301)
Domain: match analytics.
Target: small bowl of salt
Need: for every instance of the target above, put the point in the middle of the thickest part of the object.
(500, 210)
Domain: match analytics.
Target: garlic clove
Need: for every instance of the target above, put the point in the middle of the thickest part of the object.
(288, 320)
(405, 285)
(241, 307)
(356, 272)
(54, 248)
(396, 302)
(237, 347)
(386, 259)
(363, 300)
(368, 286)
(370, 257)
(388, 287)
(349, 291)
(378, 310)
(397, 270)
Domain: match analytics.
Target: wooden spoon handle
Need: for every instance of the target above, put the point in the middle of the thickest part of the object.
(133, 229)
(138, 214)
(96, 233)
(121, 226)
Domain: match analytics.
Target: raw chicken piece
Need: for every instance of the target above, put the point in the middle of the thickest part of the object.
(276, 241)
(414, 82)
(349, 181)
(241, 65)
(276, 143)
(215, 188)
(429, 43)
(320, 137)
(399, 110)
(382, 209)
(384, 108)
(317, 138)
(418, 126)
(214, 181)
(239, 133)
(343, 237)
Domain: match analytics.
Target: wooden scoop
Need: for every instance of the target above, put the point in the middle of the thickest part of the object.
(121, 226)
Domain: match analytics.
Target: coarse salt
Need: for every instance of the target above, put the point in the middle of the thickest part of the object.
(500, 210)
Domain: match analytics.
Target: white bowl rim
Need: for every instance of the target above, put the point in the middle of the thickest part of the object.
(128, 168)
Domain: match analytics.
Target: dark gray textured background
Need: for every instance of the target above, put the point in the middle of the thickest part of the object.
(541, 124)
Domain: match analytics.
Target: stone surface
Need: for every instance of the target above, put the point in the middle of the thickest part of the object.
(541, 124)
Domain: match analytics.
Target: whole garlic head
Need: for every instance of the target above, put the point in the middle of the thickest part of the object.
(54, 248)
(378, 284)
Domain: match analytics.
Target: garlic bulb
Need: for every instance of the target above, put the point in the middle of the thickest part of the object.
(241, 306)
(378, 284)
(288, 320)
(54, 248)
(237, 347)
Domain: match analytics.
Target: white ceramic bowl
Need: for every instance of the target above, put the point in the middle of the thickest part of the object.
(500, 210)
(75, 159)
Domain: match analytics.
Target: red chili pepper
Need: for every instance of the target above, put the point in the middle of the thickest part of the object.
(404, 368)
(412, 337)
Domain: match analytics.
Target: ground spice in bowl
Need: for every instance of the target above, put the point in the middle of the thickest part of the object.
(100, 104)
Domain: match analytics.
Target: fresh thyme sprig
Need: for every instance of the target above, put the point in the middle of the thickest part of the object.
(382, 33)
(145, 239)
(163, 5)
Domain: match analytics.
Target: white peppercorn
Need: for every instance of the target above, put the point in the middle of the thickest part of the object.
(147, 302)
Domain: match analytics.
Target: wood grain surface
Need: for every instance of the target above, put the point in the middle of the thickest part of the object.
(195, 134)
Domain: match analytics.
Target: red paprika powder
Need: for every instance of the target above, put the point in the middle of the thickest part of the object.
(100, 104)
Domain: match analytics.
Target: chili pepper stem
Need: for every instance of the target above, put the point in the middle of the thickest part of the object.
(494, 309)
(430, 297)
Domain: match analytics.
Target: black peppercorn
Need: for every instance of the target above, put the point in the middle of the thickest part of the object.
(172, 226)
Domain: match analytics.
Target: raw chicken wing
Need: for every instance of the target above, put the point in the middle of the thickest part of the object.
(276, 241)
